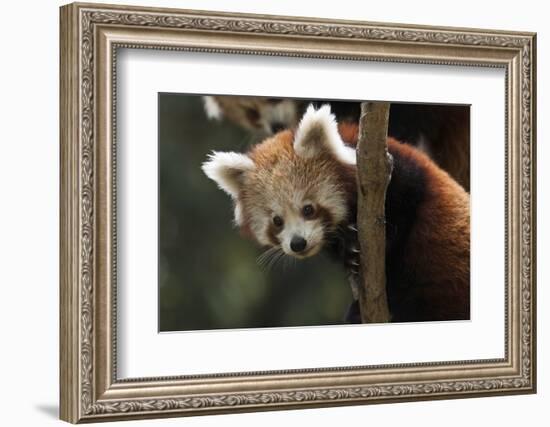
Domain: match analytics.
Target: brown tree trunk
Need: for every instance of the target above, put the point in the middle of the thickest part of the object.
(374, 167)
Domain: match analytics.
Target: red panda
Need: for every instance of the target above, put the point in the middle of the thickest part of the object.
(296, 192)
(260, 115)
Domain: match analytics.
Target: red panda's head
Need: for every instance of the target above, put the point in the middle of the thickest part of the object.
(261, 115)
(292, 190)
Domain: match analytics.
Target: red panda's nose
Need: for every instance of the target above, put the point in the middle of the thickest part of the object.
(298, 244)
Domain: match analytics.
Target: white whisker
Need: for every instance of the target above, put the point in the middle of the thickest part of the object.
(278, 255)
(290, 262)
(264, 257)
(270, 257)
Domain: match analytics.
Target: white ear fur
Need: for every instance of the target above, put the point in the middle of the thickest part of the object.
(212, 108)
(318, 132)
(226, 170)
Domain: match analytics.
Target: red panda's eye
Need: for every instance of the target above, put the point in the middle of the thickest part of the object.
(308, 211)
(252, 115)
(278, 221)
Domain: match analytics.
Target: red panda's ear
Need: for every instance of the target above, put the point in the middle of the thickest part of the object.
(212, 108)
(227, 170)
(318, 133)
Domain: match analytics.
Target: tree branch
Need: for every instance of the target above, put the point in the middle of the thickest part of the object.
(374, 167)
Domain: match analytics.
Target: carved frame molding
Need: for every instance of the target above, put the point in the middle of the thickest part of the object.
(90, 37)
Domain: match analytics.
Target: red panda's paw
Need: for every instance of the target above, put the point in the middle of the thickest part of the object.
(353, 315)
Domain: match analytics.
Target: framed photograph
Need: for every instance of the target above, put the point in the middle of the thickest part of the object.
(267, 212)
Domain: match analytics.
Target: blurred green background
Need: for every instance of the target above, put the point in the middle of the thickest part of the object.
(209, 277)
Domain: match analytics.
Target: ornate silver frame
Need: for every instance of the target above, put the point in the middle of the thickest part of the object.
(90, 36)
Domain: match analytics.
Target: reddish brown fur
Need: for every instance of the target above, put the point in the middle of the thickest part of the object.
(349, 131)
(439, 244)
(451, 147)
(266, 155)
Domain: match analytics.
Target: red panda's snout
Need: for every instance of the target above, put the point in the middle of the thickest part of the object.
(299, 229)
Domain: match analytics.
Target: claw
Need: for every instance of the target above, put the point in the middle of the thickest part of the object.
(381, 220)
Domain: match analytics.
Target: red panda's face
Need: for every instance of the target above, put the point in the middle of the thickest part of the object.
(262, 115)
(288, 191)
